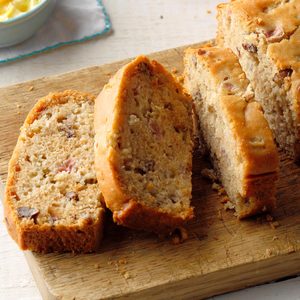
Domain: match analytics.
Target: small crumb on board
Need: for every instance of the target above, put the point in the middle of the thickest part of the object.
(268, 252)
(126, 275)
(179, 236)
(274, 224)
(209, 174)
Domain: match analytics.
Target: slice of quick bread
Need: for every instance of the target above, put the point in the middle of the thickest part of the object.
(265, 35)
(143, 147)
(234, 128)
(52, 199)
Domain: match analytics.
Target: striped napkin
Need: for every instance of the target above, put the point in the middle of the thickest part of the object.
(72, 21)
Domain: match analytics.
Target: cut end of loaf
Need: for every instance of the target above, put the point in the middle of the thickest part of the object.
(267, 44)
(52, 198)
(148, 151)
(233, 127)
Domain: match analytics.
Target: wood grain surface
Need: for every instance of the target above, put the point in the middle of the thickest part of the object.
(222, 254)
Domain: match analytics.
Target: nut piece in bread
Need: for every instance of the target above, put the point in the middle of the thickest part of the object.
(234, 128)
(143, 147)
(52, 199)
(265, 35)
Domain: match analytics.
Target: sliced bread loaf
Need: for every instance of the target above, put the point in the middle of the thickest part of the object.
(52, 199)
(143, 147)
(265, 35)
(234, 128)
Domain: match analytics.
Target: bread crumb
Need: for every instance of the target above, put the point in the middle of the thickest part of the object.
(97, 266)
(161, 17)
(30, 89)
(215, 186)
(228, 205)
(275, 238)
(123, 261)
(208, 11)
(126, 275)
(268, 252)
(116, 265)
(274, 225)
(209, 174)
(179, 236)
(291, 249)
(269, 218)
(220, 217)
(221, 191)
(225, 199)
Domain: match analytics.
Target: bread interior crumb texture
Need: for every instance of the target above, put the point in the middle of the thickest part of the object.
(56, 164)
(156, 142)
(272, 84)
(209, 96)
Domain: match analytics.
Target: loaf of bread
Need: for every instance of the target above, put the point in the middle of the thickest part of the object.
(234, 128)
(52, 199)
(265, 35)
(143, 147)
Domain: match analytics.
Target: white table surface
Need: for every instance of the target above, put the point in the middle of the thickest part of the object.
(137, 28)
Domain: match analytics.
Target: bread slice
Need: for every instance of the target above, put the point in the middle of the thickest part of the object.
(52, 199)
(234, 128)
(143, 147)
(265, 35)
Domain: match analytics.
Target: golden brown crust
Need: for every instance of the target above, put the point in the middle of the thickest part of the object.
(220, 63)
(45, 238)
(248, 123)
(108, 116)
(253, 135)
(134, 214)
(265, 15)
(276, 22)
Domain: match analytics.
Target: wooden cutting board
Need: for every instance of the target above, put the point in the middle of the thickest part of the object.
(222, 254)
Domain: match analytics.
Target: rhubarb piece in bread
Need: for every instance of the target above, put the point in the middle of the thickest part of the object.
(143, 147)
(265, 35)
(234, 128)
(52, 199)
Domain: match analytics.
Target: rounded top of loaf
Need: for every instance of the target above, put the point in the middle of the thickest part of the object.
(276, 24)
(272, 17)
(224, 68)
